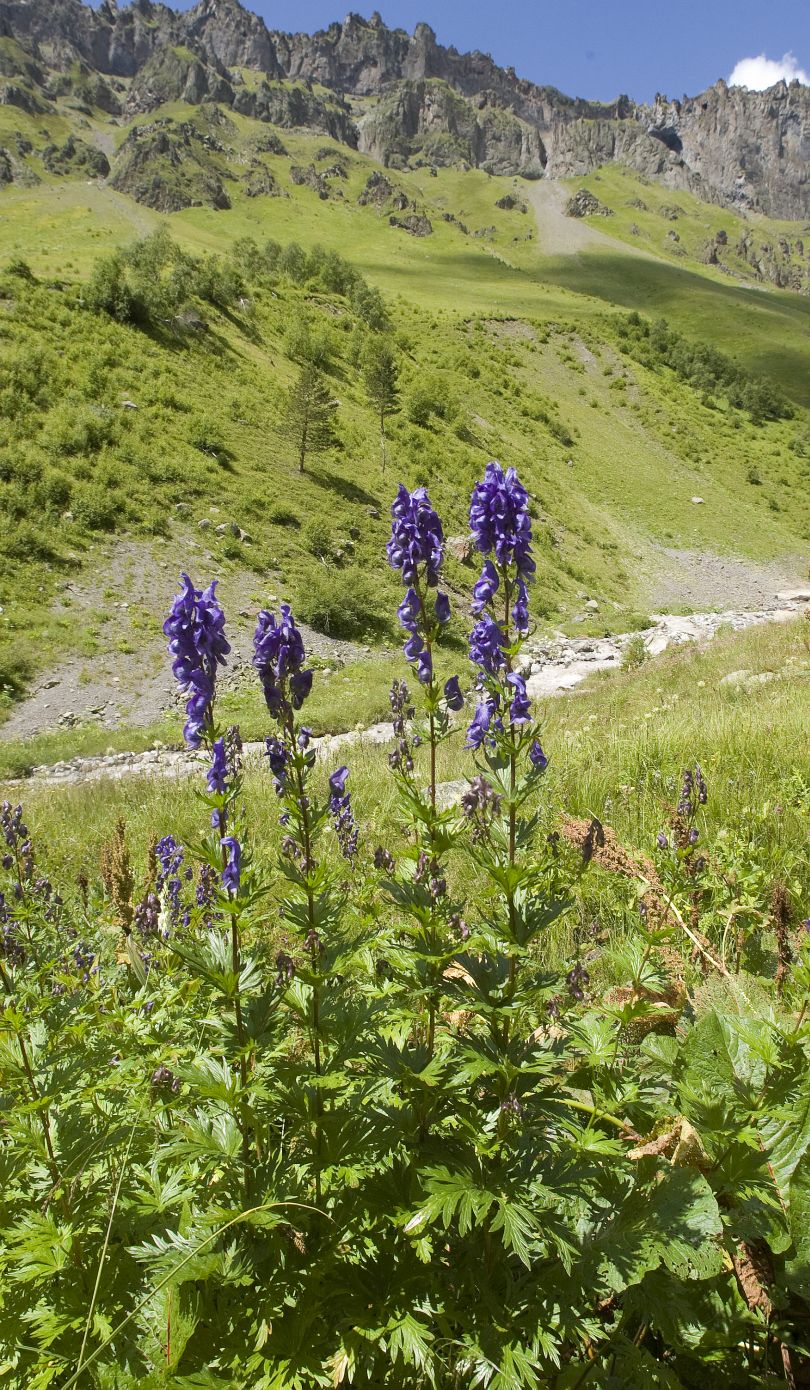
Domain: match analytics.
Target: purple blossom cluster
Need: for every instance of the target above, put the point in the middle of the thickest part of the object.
(279, 656)
(342, 815)
(195, 628)
(278, 757)
(417, 538)
(499, 519)
(501, 527)
(480, 804)
(169, 886)
(231, 876)
(416, 548)
(694, 791)
(401, 758)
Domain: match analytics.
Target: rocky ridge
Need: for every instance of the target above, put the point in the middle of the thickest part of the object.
(404, 97)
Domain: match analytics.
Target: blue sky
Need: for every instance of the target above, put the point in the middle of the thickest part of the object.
(594, 48)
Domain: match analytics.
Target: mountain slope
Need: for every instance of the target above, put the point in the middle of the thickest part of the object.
(741, 148)
(520, 333)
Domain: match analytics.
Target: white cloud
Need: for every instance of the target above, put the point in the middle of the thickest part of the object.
(761, 72)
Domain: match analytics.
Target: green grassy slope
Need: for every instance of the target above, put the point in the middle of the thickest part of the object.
(522, 352)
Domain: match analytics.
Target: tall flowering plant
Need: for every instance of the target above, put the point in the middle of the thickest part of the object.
(226, 890)
(429, 924)
(312, 907)
(497, 805)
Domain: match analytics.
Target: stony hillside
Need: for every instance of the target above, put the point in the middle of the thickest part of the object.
(400, 97)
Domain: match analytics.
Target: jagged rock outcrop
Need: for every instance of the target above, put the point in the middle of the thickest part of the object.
(748, 148)
(586, 204)
(75, 156)
(429, 119)
(432, 103)
(295, 106)
(168, 165)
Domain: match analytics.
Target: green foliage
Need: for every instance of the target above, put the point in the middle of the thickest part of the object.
(322, 1128)
(342, 603)
(705, 368)
(308, 415)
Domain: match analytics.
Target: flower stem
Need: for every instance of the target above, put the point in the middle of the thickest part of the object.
(306, 831)
(44, 1119)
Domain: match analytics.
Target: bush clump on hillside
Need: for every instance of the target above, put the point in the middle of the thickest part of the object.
(704, 367)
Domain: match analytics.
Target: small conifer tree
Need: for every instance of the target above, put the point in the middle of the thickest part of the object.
(309, 412)
(381, 379)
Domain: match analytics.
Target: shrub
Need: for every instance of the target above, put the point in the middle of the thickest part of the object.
(283, 515)
(341, 603)
(97, 508)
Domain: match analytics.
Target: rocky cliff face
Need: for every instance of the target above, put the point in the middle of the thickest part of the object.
(435, 103)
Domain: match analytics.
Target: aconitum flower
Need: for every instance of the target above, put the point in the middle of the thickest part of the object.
(442, 608)
(341, 811)
(195, 628)
(453, 695)
(576, 979)
(487, 642)
(499, 519)
(231, 874)
(424, 668)
(520, 708)
(685, 803)
(279, 656)
(480, 728)
(537, 757)
(277, 756)
(169, 884)
(520, 608)
(661, 840)
(485, 588)
(417, 537)
(218, 771)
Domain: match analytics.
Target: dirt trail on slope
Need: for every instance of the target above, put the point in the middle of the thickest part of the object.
(559, 235)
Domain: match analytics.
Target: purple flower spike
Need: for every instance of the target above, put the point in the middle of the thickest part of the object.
(232, 872)
(520, 708)
(499, 519)
(453, 695)
(520, 608)
(279, 656)
(218, 771)
(417, 537)
(537, 757)
(195, 628)
(340, 806)
(442, 608)
(484, 589)
(482, 721)
(337, 782)
(487, 642)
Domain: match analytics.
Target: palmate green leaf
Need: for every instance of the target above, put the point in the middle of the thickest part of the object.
(451, 1196)
(797, 1268)
(675, 1223)
(155, 1195)
(409, 1341)
(206, 1134)
(39, 1247)
(518, 1226)
(683, 1311)
(516, 1368)
(784, 1128)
